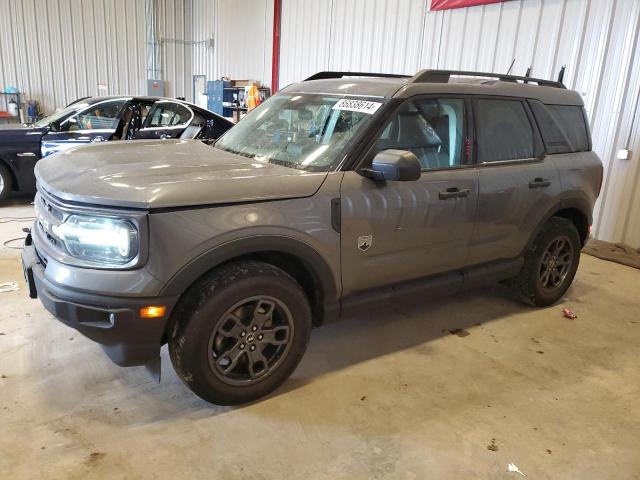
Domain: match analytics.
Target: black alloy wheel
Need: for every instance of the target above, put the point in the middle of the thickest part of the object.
(250, 340)
(555, 263)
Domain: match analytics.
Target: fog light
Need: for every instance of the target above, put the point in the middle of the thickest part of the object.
(152, 311)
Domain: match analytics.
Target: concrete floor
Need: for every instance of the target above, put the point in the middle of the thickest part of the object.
(391, 394)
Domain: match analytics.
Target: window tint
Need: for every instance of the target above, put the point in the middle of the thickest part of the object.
(431, 128)
(504, 131)
(563, 127)
(101, 116)
(168, 114)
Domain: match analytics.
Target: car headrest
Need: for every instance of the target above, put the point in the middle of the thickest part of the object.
(415, 132)
(305, 114)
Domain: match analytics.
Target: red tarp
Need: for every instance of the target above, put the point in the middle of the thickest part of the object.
(448, 4)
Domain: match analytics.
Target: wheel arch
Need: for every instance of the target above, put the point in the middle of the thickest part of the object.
(293, 256)
(575, 209)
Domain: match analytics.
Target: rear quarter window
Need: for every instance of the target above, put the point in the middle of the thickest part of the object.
(563, 127)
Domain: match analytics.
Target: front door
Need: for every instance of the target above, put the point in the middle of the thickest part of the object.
(396, 231)
(96, 123)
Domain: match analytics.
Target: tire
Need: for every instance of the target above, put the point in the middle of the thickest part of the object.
(6, 182)
(216, 350)
(533, 285)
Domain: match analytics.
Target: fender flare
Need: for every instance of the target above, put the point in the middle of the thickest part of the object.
(576, 202)
(308, 256)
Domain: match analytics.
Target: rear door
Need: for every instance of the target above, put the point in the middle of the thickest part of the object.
(396, 231)
(165, 119)
(96, 123)
(518, 184)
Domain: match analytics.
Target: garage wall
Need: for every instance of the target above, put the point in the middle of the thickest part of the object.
(596, 39)
(174, 41)
(356, 35)
(59, 50)
(242, 34)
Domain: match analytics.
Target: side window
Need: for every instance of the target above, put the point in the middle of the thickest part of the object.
(167, 114)
(572, 121)
(504, 131)
(431, 128)
(145, 108)
(563, 127)
(102, 116)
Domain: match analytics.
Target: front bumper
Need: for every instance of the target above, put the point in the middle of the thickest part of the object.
(113, 322)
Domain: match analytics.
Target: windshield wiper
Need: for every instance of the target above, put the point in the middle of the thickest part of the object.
(284, 163)
(231, 150)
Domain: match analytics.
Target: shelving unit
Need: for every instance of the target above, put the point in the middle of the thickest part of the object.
(227, 100)
(229, 108)
(240, 94)
(6, 97)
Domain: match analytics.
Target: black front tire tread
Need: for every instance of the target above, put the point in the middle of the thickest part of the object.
(195, 299)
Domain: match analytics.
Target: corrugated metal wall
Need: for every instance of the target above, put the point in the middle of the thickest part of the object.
(174, 39)
(596, 39)
(356, 35)
(242, 35)
(59, 50)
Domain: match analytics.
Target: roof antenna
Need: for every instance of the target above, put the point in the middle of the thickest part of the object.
(510, 66)
(528, 74)
(561, 74)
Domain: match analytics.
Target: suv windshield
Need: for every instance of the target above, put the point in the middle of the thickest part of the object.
(301, 131)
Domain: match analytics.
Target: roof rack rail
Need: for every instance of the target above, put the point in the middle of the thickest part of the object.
(442, 76)
(329, 74)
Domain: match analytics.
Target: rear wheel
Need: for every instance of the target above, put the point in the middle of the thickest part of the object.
(6, 182)
(240, 332)
(550, 264)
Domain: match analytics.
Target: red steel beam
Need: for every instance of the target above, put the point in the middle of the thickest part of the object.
(275, 58)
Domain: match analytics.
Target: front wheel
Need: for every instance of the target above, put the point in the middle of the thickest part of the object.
(550, 264)
(240, 332)
(6, 182)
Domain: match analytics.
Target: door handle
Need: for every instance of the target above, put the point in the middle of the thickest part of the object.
(26, 154)
(98, 139)
(453, 192)
(539, 182)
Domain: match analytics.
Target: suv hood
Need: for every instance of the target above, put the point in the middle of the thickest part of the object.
(167, 173)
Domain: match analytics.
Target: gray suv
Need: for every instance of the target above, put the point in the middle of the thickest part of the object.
(342, 189)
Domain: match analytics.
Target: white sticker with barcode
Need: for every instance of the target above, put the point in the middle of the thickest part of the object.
(362, 106)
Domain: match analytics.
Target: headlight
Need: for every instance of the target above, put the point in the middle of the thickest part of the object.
(109, 241)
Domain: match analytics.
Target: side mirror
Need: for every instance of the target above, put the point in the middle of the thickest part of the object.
(396, 165)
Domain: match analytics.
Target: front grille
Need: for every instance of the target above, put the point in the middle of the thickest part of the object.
(47, 235)
(49, 207)
(48, 214)
(42, 258)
